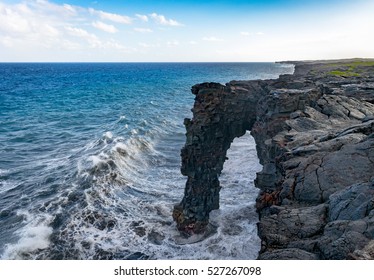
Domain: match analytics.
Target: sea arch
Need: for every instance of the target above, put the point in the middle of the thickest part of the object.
(220, 114)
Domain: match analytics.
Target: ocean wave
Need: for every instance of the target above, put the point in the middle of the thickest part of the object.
(118, 206)
(102, 171)
(33, 237)
(118, 159)
(7, 185)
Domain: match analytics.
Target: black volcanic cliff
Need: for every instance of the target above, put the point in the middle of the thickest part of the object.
(314, 132)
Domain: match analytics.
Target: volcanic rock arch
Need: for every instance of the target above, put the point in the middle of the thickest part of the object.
(220, 114)
(314, 133)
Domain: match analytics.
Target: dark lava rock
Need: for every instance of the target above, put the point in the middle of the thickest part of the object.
(288, 254)
(138, 228)
(156, 237)
(353, 203)
(314, 133)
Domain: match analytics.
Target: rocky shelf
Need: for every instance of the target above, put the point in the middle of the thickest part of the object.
(314, 133)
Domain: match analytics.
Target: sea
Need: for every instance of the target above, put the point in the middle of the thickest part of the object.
(90, 161)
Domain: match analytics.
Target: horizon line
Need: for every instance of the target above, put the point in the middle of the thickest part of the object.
(186, 62)
(138, 62)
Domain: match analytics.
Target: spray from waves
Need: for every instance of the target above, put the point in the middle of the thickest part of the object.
(82, 198)
(236, 220)
(119, 207)
(117, 202)
(33, 237)
(98, 185)
(118, 161)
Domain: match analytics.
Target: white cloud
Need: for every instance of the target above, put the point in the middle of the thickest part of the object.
(69, 45)
(160, 19)
(143, 30)
(29, 24)
(145, 45)
(6, 41)
(212, 39)
(104, 27)
(92, 39)
(112, 44)
(112, 17)
(173, 43)
(12, 20)
(44, 6)
(42, 24)
(79, 32)
(49, 31)
(142, 17)
(70, 9)
(45, 30)
(244, 33)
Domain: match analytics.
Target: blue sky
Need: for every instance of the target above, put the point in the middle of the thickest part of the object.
(186, 31)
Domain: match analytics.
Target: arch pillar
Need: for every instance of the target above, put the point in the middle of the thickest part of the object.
(220, 114)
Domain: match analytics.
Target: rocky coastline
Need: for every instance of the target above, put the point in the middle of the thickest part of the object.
(314, 133)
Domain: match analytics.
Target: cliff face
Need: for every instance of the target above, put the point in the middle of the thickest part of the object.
(314, 132)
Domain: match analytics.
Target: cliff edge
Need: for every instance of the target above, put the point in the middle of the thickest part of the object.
(314, 133)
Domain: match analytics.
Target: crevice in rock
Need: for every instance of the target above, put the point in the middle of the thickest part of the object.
(318, 179)
(342, 104)
(319, 185)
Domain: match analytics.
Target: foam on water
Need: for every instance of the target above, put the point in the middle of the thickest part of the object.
(89, 182)
(133, 219)
(3, 172)
(32, 238)
(7, 185)
(236, 236)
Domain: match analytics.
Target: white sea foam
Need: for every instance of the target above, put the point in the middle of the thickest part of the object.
(118, 160)
(7, 186)
(236, 236)
(3, 172)
(117, 193)
(136, 216)
(154, 231)
(33, 236)
(96, 160)
(108, 135)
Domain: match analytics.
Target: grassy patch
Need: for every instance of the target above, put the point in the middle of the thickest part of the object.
(350, 69)
(360, 63)
(347, 73)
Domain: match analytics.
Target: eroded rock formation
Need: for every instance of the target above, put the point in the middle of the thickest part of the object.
(314, 132)
(221, 113)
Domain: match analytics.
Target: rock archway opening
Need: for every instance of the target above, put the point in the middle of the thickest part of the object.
(239, 172)
(220, 114)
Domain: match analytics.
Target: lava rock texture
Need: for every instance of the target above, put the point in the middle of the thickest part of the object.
(314, 133)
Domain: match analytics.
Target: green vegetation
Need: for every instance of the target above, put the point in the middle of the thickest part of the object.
(350, 69)
(360, 63)
(344, 73)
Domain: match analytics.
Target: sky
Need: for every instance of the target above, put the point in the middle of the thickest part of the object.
(184, 31)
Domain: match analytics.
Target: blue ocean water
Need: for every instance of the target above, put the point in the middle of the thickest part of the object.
(90, 158)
